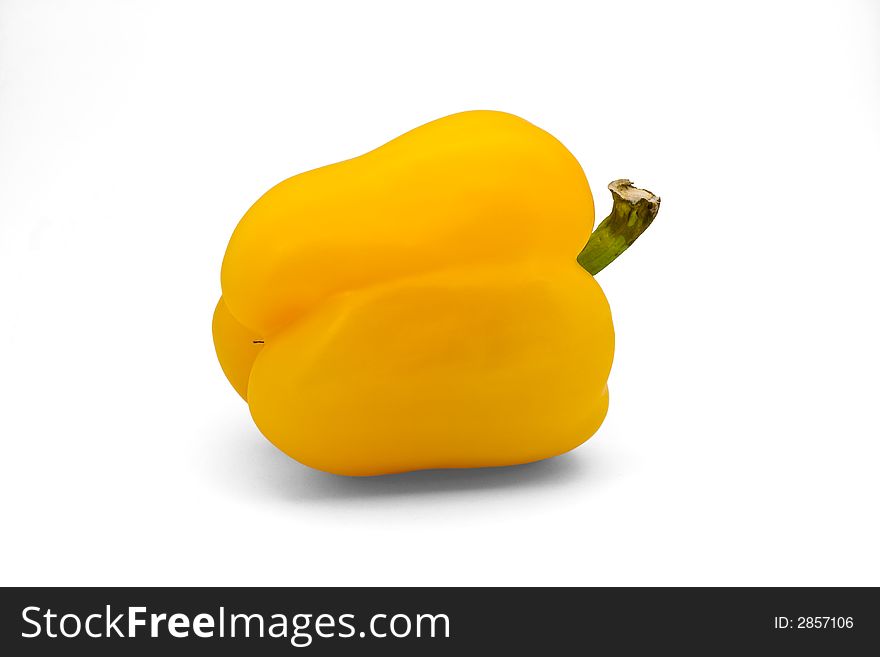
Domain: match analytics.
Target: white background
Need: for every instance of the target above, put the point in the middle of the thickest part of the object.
(743, 441)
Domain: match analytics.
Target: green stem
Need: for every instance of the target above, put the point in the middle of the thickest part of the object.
(633, 211)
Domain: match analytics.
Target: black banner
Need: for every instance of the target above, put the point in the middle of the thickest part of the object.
(277, 621)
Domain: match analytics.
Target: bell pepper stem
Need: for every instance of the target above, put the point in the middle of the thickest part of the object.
(633, 211)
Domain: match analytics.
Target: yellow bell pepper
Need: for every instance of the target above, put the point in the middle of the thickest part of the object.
(420, 306)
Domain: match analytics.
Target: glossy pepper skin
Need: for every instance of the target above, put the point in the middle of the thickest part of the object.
(420, 306)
